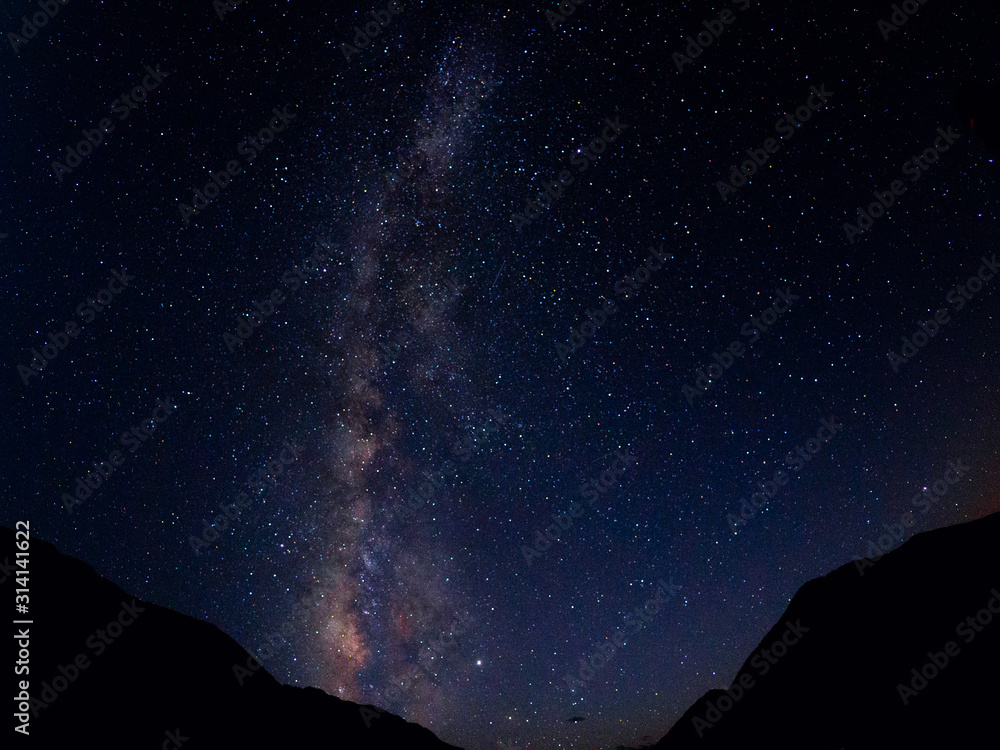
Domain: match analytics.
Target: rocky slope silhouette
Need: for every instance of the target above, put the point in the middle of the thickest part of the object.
(109, 670)
(901, 651)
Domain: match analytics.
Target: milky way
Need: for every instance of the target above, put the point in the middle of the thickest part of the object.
(385, 590)
(459, 534)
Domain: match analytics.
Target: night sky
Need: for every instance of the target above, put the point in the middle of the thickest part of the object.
(434, 374)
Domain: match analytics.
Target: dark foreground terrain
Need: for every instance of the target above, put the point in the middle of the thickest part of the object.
(901, 652)
(112, 671)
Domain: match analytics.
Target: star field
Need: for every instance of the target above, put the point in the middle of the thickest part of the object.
(442, 381)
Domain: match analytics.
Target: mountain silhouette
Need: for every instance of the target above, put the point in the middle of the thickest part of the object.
(106, 669)
(877, 654)
(898, 651)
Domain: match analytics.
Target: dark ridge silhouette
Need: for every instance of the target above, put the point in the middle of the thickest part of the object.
(158, 679)
(869, 624)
